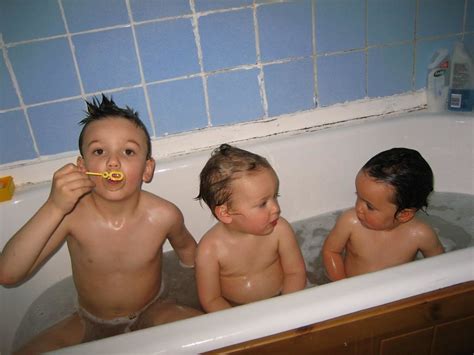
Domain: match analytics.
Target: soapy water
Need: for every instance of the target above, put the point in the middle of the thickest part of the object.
(450, 214)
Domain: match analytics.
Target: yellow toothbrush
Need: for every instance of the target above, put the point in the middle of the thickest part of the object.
(113, 175)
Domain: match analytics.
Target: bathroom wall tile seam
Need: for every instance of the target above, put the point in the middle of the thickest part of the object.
(71, 48)
(261, 76)
(197, 39)
(22, 105)
(366, 49)
(140, 69)
(415, 27)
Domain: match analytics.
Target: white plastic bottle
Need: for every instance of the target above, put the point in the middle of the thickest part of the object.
(437, 86)
(460, 90)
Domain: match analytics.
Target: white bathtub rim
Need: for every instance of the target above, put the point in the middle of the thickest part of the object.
(225, 328)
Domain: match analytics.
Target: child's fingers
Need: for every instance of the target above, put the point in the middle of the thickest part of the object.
(66, 169)
(69, 184)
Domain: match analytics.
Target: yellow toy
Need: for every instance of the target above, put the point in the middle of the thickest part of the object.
(113, 175)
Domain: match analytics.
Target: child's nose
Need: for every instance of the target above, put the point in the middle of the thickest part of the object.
(276, 207)
(113, 162)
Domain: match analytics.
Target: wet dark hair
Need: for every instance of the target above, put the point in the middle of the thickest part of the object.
(108, 109)
(226, 164)
(407, 171)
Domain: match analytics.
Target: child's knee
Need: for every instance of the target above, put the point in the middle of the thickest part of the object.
(68, 332)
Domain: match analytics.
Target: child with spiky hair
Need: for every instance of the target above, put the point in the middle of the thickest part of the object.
(114, 232)
(382, 229)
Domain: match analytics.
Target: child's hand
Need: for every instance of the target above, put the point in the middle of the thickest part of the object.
(69, 185)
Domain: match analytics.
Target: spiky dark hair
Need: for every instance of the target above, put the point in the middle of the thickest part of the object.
(108, 109)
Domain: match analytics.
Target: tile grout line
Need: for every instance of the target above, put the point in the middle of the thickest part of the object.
(464, 22)
(143, 83)
(366, 49)
(22, 107)
(261, 75)
(72, 49)
(314, 57)
(197, 39)
(414, 43)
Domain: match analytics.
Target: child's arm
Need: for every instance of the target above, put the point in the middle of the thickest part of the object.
(291, 259)
(181, 240)
(429, 241)
(42, 234)
(208, 279)
(334, 246)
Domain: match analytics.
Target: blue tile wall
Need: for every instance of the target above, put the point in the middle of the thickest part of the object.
(340, 25)
(290, 86)
(234, 97)
(470, 16)
(191, 64)
(15, 138)
(389, 70)
(390, 21)
(143, 10)
(440, 17)
(8, 97)
(233, 44)
(285, 30)
(23, 20)
(167, 49)
(44, 120)
(341, 78)
(178, 106)
(44, 70)
(107, 59)
(83, 15)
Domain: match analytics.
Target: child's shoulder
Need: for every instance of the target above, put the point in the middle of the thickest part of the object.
(158, 203)
(211, 240)
(420, 228)
(283, 226)
(213, 233)
(152, 198)
(348, 216)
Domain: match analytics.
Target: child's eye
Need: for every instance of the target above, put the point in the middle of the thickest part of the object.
(129, 152)
(98, 151)
(370, 207)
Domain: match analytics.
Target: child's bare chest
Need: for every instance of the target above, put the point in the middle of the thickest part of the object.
(115, 242)
(382, 245)
(250, 256)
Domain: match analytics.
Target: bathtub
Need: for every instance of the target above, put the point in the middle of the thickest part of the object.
(316, 167)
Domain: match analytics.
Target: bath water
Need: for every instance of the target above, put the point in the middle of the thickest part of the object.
(450, 214)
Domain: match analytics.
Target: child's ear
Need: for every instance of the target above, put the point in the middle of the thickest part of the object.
(222, 214)
(80, 163)
(149, 170)
(406, 214)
